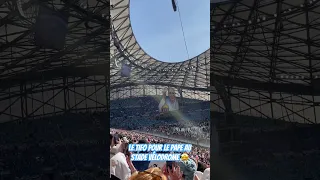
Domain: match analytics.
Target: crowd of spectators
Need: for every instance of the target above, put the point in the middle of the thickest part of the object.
(63, 146)
(139, 114)
(202, 153)
(133, 121)
(73, 145)
(121, 166)
(269, 150)
(190, 130)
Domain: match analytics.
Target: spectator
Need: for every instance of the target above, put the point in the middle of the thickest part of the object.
(141, 165)
(119, 166)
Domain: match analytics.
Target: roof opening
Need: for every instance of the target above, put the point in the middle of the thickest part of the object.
(161, 34)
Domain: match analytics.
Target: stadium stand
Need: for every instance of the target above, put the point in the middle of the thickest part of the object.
(55, 86)
(135, 99)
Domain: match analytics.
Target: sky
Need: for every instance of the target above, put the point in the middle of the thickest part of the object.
(158, 30)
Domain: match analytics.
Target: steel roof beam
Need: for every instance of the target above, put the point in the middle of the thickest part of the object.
(100, 69)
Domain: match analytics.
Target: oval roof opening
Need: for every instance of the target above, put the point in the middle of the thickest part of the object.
(161, 34)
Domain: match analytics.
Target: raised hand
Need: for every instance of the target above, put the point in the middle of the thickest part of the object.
(173, 174)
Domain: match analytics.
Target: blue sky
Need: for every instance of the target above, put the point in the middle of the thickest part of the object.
(158, 30)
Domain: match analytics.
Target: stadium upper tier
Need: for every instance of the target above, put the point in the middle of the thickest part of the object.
(267, 41)
(194, 73)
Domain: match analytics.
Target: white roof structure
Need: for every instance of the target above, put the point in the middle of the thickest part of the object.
(192, 73)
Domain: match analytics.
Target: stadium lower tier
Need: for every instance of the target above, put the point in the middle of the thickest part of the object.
(73, 144)
(202, 152)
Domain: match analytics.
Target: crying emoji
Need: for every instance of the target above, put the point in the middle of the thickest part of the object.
(184, 157)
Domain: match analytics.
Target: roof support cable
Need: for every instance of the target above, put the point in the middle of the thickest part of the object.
(182, 29)
(185, 43)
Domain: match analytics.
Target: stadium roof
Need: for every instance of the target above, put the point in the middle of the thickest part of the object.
(40, 81)
(267, 41)
(22, 60)
(192, 73)
(265, 52)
